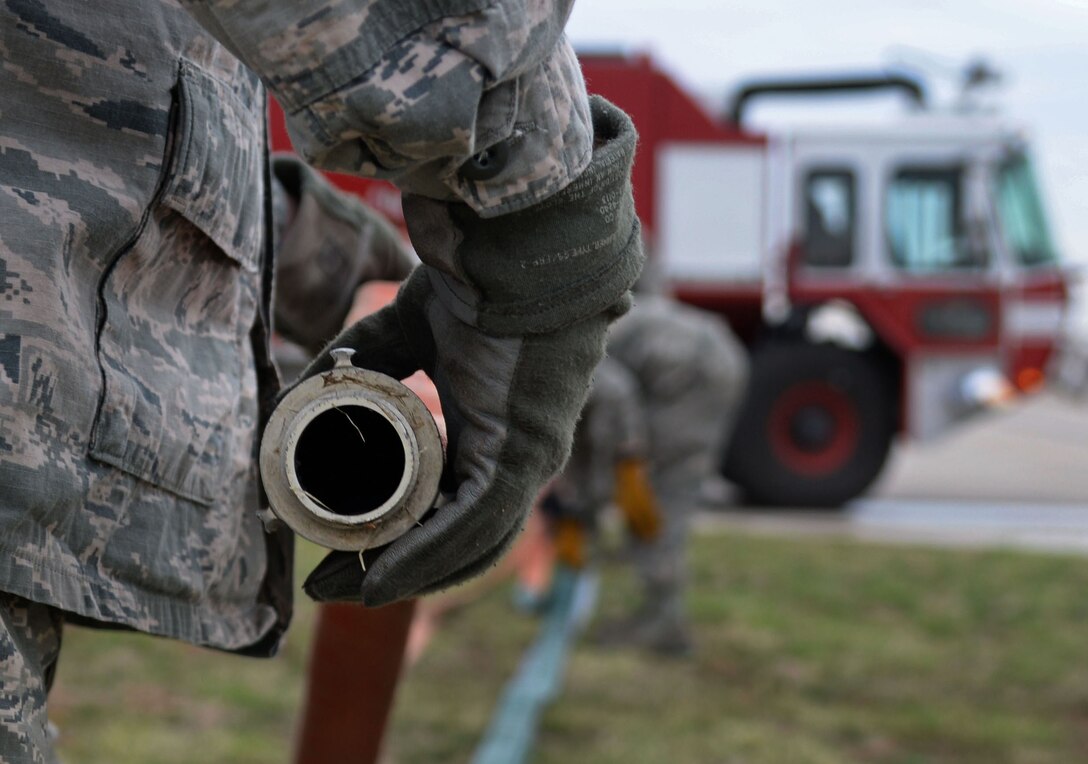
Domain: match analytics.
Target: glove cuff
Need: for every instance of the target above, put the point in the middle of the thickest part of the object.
(569, 257)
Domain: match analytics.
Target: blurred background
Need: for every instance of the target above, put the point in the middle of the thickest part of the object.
(1036, 46)
(893, 569)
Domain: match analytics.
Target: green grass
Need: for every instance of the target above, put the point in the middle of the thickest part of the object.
(124, 698)
(809, 651)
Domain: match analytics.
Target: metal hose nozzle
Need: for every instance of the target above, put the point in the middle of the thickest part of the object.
(350, 458)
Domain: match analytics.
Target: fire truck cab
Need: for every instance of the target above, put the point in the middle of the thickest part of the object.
(887, 280)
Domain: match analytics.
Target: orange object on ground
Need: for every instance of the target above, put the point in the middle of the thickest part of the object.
(570, 543)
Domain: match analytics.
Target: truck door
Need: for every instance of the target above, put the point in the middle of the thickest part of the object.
(820, 411)
(939, 304)
(1036, 291)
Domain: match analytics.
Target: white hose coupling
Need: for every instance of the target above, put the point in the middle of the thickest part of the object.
(351, 458)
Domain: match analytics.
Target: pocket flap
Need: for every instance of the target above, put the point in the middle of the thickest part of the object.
(215, 181)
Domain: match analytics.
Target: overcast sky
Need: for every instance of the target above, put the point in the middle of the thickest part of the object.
(1041, 47)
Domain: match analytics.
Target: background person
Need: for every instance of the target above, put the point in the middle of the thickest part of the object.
(691, 372)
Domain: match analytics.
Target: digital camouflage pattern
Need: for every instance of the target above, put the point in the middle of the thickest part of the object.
(691, 372)
(131, 190)
(30, 637)
(409, 90)
(133, 275)
(612, 428)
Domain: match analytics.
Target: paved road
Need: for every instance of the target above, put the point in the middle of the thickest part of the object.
(1018, 478)
(1035, 453)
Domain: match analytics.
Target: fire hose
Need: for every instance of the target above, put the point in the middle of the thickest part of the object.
(351, 458)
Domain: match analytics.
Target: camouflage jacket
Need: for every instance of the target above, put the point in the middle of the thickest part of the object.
(612, 427)
(691, 372)
(328, 243)
(134, 268)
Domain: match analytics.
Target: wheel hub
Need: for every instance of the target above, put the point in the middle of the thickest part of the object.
(812, 428)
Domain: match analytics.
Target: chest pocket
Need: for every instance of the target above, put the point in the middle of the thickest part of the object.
(179, 299)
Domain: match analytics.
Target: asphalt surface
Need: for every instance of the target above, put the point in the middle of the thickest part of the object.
(1017, 478)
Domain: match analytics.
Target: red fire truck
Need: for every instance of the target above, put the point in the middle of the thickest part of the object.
(887, 280)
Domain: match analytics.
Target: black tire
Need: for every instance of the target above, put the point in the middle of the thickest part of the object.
(815, 427)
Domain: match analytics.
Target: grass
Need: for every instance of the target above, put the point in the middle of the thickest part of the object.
(809, 651)
(124, 698)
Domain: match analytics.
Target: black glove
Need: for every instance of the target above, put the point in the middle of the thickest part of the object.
(508, 318)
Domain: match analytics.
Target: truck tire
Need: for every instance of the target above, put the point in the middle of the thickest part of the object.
(815, 427)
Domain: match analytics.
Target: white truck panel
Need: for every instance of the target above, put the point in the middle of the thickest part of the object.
(938, 391)
(1039, 319)
(710, 211)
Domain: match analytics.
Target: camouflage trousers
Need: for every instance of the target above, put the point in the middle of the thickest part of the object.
(662, 563)
(686, 434)
(30, 636)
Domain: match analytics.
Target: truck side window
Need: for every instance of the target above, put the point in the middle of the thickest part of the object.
(924, 221)
(829, 219)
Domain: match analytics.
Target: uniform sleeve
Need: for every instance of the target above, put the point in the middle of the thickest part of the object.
(619, 421)
(474, 100)
(614, 430)
(328, 244)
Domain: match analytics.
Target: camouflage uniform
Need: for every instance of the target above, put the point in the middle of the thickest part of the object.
(612, 428)
(691, 372)
(30, 635)
(135, 278)
(328, 243)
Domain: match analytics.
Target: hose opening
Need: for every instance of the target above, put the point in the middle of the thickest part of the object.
(350, 460)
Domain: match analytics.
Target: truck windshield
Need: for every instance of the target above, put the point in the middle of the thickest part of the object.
(1022, 218)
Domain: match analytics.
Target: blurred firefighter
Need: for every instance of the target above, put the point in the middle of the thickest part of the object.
(607, 462)
(649, 440)
(691, 373)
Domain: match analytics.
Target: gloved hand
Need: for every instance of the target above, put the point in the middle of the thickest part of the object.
(636, 500)
(508, 317)
(571, 540)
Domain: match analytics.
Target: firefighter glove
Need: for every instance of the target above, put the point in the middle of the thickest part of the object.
(571, 542)
(508, 317)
